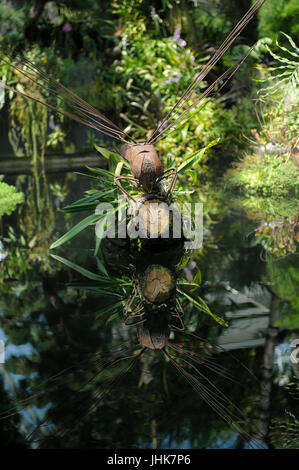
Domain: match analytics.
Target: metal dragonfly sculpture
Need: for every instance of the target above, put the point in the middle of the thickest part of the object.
(146, 165)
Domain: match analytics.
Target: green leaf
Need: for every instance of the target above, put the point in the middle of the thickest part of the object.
(80, 208)
(291, 42)
(281, 59)
(101, 172)
(101, 227)
(98, 244)
(112, 317)
(111, 282)
(108, 154)
(79, 269)
(84, 174)
(101, 267)
(90, 220)
(95, 290)
(113, 158)
(197, 278)
(118, 168)
(285, 49)
(85, 202)
(32, 242)
(201, 305)
(194, 159)
(9, 198)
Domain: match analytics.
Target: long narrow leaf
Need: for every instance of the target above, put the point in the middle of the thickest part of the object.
(108, 154)
(97, 246)
(290, 41)
(194, 159)
(90, 220)
(80, 208)
(101, 172)
(86, 201)
(201, 305)
(101, 267)
(97, 290)
(79, 269)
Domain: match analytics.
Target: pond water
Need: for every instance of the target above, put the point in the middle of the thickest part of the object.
(54, 328)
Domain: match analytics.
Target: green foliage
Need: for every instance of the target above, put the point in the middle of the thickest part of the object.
(263, 175)
(278, 15)
(9, 198)
(201, 305)
(13, 20)
(269, 189)
(278, 238)
(149, 55)
(268, 209)
(146, 66)
(191, 161)
(90, 220)
(153, 72)
(284, 277)
(284, 431)
(28, 119)
(278, 98)
(270, 171)
(288, 72)
(106, 194)
(276, 221)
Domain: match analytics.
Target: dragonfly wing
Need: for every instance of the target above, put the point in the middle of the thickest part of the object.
(74, 107)
(209, 93)
(176, 109)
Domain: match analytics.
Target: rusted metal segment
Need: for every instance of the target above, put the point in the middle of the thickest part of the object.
(152, 338)
(145, 162)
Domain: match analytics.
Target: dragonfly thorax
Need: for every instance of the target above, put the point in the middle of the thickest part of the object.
(145, 163)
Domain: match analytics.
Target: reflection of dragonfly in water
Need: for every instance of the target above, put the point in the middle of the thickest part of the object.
(192, 356)
(150, 298)
(146, 165)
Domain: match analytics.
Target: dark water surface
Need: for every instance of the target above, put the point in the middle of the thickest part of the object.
(49, 327)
